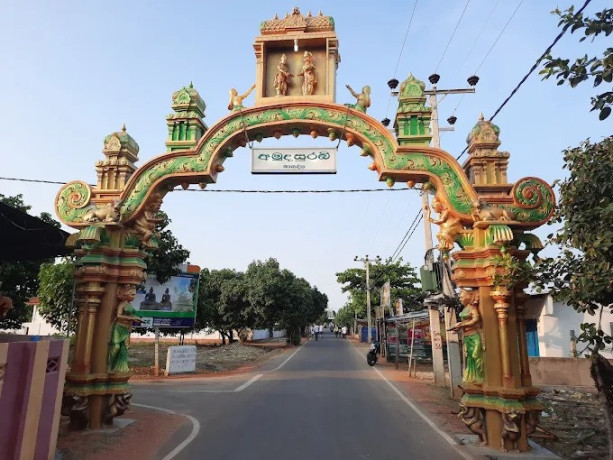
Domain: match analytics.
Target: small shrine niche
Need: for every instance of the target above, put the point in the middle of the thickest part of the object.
(297, 57)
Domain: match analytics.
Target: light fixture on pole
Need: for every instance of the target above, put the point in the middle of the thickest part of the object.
(367, 263)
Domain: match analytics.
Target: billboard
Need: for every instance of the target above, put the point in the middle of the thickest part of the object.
(171, 304)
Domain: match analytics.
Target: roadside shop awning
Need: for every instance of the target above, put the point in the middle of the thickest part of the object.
(25, 237)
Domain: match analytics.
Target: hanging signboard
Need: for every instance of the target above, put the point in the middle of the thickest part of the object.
(171, 304)
(293, 161)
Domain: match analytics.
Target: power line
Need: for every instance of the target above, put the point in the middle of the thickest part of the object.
(357, 190)
(452, 35)
(406, 34)
(413, 231)
(499, 35)
(405, 236)
(538, 61)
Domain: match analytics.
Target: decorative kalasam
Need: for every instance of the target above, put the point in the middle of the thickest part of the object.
(282, 77)
(363, 98)
(470, 325)
(120, 331)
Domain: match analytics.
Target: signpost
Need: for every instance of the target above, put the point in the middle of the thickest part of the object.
(181, 359)
(317, 160)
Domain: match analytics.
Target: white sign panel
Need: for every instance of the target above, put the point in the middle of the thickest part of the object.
(316, 160)
(181, 359)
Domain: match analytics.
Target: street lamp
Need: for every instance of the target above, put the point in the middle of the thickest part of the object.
(367, 263)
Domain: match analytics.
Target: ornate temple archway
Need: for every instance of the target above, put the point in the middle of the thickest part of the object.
(484, 220)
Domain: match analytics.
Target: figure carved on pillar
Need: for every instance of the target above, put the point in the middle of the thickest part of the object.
(145, 224)
(117, 406)
(236, 100)
(118, 352)
(474, 420)
(511, 422)
(76, 407)
(470, 325)
(450, 225)
(363, 98)
(282, 76)
(308, 74)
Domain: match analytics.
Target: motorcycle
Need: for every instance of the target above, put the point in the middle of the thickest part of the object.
(371, 357)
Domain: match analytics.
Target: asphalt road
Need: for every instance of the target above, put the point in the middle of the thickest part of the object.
(321, 402)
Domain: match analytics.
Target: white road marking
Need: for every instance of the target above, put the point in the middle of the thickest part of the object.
(189, 439)
(419, 412)
(288, 358)
(246, 384)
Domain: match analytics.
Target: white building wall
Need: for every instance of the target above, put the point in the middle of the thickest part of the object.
(555, 320)
(38, 325)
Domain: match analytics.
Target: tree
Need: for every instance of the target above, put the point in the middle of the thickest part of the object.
(223, 302)
(56, 294)
(164, 262)
(598, 69)
(20, 279)
(402, 278)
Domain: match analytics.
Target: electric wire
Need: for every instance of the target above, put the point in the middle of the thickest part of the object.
(355, 190)
(533, 68)
(406, 34)
(538, 61)
(499, 35)
(452, 35)
(406, 236)
(413, 231)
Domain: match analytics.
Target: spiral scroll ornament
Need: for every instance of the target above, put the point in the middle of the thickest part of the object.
(534, 200)
(71, 201)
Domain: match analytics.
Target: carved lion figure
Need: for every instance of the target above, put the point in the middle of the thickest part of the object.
(510, 429)
(483, 211)
(106, 213)
(473, 419)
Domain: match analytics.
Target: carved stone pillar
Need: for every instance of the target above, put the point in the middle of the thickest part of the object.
(501, 296)
(520, 309)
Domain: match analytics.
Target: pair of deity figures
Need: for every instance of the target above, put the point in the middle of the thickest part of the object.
(283, 75)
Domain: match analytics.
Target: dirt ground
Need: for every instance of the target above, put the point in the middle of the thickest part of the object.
(209, 358)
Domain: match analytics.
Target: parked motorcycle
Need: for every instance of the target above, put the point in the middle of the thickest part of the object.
(371, 357)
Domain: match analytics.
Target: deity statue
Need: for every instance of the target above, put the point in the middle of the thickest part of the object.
(120, 331)
(308, 74)
(450, 225)
(282, 76)
(470, 325)
(363, 99)
(236, 100)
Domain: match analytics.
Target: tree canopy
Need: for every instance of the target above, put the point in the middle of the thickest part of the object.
(597, 69)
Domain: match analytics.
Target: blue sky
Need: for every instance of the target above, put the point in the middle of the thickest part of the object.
(75, 71)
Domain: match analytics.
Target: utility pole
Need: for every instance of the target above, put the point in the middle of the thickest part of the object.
(453, 344)
(367, 262)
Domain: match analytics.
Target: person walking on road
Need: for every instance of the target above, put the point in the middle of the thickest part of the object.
(344, 332)
(336, 331)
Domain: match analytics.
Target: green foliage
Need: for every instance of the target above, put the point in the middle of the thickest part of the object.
(403, 285)
(56, 294)
(170, 254)
(20, 279)
(582, 273)
(515, 272)
(264, 296)
(598, 69)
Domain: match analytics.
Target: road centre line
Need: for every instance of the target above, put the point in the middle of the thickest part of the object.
(246, 384)
(188, 440)
(419, 412)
